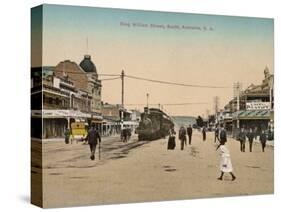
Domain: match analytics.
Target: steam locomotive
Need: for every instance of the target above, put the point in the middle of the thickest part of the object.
(154, 124)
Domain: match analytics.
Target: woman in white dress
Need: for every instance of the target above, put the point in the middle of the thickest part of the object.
(225, 163)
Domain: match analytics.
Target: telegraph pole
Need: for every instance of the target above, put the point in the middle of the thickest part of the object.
(122, 99)
(147, 97)
(122, 94)
(238, 103)
(237, 89)
(216, 108)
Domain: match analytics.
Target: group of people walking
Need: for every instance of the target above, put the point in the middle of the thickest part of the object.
(251, 135)
(125, 135)
(183, 133)
(220, 135)
(182, 137)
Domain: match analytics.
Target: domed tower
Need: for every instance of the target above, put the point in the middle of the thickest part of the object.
(94, 84)
(88, 66)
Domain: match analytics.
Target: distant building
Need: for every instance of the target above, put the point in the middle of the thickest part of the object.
(131, 119)
(111, 119)
(111, 111)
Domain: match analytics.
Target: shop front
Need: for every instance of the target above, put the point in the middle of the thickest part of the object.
(55, 122)
(255, 119)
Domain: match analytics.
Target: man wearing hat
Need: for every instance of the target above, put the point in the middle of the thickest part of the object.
(93, 139)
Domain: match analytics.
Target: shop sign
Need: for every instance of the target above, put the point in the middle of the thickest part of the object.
(258, 106)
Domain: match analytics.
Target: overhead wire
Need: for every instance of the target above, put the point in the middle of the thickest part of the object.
(174, 83)
(107, 79)
(118, 76)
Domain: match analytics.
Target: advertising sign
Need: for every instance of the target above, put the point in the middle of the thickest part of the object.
(258, 106)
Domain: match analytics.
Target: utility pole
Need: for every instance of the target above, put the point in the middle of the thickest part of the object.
(122, 94)
(216, 104)
(237, 89)
(216, 108)
(207, 116)
(147, 97)
(122, 99)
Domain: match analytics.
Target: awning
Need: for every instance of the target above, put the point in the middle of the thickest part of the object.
(97, 121)
(135, 123)
(252, 114)
(64, 114)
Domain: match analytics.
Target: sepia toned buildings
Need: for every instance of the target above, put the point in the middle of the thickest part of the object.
(112, 118)
(68, 93)
(84, 78)
(251, 108)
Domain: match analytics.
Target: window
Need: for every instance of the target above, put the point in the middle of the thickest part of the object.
(57, 101)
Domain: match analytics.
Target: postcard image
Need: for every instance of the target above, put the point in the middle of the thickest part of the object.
(133, 106)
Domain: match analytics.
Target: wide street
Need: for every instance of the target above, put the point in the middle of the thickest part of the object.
(147, 171)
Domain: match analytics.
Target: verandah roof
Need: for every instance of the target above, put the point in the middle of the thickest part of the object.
(251, 114)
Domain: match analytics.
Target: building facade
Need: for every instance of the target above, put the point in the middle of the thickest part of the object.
(111, 119)
(85, 78)
(255, 109)
(93, 85)
(67, 93)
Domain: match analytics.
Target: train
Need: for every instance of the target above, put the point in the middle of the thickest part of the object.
(154, 124)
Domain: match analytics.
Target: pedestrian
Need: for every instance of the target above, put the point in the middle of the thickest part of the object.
(270, 136)
(182, 137)
(189, 133)
(225, 162)
(204, 133)
(250, 136)
(129, 133)
(124, 135)
(217, 130)
(66, 136)
(242, 139)
(172, 139)
(263, 139)
(222, 135)
(93, 139)
(256, 132)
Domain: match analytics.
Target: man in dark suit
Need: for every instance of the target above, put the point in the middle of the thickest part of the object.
(204, 133)
(189, 133)
(263, 139)
(250, 136)
(182, 137)
(93, 139)
(217, 132)
(223, 135)
(242, 139)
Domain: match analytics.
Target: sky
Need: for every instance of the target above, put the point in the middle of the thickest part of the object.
(177, 47)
